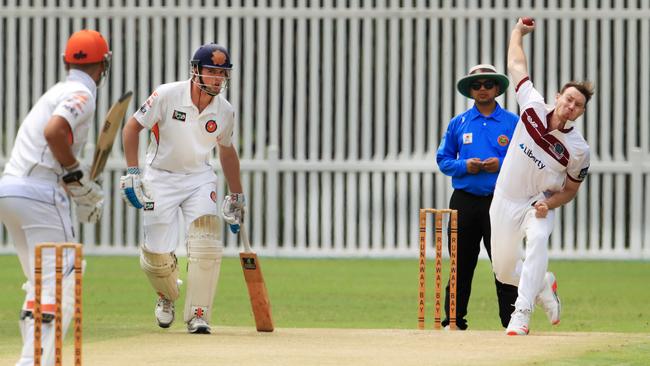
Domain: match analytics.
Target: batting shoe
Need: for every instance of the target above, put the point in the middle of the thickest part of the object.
(164, 312)
(518, 322)
(198, 325)
(548, 299)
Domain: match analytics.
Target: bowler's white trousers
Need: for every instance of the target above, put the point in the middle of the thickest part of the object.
(512, 220)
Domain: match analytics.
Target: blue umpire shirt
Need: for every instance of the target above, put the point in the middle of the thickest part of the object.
(473, 135)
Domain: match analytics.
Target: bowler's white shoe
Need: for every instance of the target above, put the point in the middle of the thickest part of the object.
(198, 325)
(548, 299)
(518, 322)
(164, 312)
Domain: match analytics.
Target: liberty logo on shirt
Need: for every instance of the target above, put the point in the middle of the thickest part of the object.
(179, 116)
(529, 152)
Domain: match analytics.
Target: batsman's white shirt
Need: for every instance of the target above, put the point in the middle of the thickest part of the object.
(537, 163)
(178, 173)
(74, 100)
(182, 138)
(32, 173)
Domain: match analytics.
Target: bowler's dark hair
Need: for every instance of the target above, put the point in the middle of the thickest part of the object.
(585, 87)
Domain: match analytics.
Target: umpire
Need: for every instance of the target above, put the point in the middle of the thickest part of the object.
(471, 153)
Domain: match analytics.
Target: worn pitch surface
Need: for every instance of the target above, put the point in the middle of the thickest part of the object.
(288, 346)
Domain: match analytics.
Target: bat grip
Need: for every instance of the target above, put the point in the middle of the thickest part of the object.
(244, 238)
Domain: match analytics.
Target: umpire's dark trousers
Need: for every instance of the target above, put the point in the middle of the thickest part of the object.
(474, 225)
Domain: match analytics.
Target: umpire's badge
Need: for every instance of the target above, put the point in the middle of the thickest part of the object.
(503, 140)
(179, 116)
(211, 126)
(467, 138)
(148, 206)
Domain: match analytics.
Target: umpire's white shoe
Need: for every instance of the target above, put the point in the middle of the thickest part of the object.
(164, 312)
(198, 325)
(519, 322)
(548, 299)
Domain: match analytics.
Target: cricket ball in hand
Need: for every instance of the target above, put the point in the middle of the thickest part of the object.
(527, 21)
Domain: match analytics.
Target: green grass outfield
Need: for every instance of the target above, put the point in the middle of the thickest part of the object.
(597, 296)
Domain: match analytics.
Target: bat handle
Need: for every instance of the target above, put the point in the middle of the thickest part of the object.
(244, 238)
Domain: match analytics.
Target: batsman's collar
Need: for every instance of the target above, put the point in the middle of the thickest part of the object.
(482, 71)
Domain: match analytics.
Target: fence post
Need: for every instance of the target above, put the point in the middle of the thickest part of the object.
(636, 210)
(272, 199)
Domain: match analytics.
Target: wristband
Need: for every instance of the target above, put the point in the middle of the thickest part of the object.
(72, 166)
(133, 170)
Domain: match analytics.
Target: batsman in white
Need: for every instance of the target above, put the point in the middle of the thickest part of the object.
(42, 175)
(187, 120)
(545, 164)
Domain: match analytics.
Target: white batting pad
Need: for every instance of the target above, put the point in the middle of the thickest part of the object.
(204, 252)
(162, 271)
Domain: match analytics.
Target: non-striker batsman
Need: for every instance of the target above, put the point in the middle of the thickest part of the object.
(187, 120)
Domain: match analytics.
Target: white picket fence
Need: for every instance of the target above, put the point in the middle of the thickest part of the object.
(341, 106)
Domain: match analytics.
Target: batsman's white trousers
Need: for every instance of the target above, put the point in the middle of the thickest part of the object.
(195, 195)
(35, 212)
(511, 221)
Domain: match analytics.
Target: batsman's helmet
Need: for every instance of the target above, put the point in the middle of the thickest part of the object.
(86, 47)
(213, 56)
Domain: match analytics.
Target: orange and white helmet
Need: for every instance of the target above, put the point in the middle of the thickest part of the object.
(87, 47)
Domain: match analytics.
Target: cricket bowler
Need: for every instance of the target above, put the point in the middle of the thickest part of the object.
(545, 164)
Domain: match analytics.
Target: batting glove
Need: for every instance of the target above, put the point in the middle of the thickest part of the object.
(233, 209)
(90, 214)
(82, 190)
(132, 189)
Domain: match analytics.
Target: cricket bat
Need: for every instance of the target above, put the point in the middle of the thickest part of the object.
(106, 137)
(256, 286)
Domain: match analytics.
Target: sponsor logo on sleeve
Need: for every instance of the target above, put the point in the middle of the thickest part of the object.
(148, 206)
(75, 104)
(583, 173)
(179, 116)
(213, 196)
(146, 106)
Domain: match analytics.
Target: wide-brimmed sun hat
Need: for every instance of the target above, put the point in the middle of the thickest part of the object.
(482, 71)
